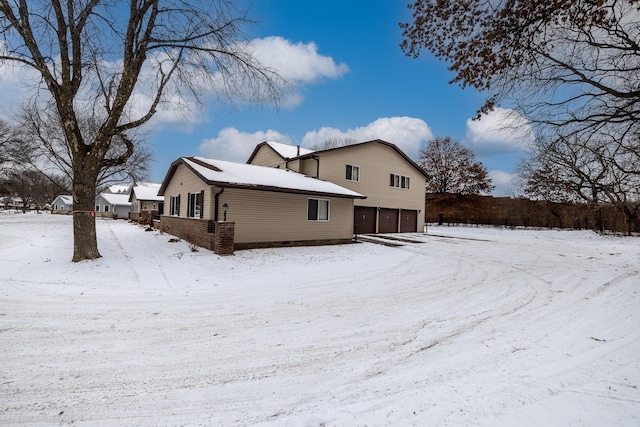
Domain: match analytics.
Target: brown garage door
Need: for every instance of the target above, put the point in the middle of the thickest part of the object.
(388, 221)
(364, 220)
(408, 221)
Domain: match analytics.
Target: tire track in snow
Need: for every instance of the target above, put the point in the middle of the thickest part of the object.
(147, 267)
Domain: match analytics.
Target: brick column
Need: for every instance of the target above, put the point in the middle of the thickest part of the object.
(224, 238)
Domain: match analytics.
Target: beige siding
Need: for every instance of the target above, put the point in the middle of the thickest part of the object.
(376, 163)
(183, 182)
(263, 216)
(309, 167)
(267, 156)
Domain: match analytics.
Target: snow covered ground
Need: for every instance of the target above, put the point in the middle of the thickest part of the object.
(470, 326)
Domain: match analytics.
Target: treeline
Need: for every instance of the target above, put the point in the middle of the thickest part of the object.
(509, 212)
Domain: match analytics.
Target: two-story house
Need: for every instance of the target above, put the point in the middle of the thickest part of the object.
(392, 183)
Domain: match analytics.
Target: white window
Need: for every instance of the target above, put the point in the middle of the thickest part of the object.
(194, 205)
(399, 181)
(353, 173)
(317, 210)
(106, 208)
(174, 207)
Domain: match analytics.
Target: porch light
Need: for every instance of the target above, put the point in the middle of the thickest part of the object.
(225, 208)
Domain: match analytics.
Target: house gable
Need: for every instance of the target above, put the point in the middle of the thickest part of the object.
(346, 149)
(265, 155)
(372, 165)
(275, 154)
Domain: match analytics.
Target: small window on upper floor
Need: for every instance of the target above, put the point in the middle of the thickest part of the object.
(353, 173)
(399, 181)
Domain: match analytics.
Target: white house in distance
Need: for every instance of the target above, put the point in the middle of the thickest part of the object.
(114, 202)
(63, 204)
(145, 202)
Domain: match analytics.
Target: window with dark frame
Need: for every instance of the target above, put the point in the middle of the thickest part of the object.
(317, 210)
(352, 173)
(194, 205)
(399, 181)
(174, 205)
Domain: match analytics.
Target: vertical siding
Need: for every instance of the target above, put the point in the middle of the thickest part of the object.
(264, 216)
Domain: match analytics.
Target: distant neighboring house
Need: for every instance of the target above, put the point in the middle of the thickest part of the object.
(265, 206)
(63, 204)
(393, 184)
(145, 202)
(113, 205)
(14, 203)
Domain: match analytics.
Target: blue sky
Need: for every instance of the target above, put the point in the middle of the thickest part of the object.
(349, 79)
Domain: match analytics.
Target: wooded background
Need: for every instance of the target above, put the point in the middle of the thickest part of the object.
(509, 212)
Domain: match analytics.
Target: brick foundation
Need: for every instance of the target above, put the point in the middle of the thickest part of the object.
(196, 231)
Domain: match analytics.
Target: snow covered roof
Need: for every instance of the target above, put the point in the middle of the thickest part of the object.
(118, 189)
(285, 151)
(228, 174)
(116, 199)
(288, 151)
(147, 191)
(64, 198)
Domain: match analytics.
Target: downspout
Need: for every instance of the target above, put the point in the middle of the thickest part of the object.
(215, 204)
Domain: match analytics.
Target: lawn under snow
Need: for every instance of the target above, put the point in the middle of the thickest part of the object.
(471, 326)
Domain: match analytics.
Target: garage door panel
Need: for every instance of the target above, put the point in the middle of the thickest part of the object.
(364, 220)
(388, 221)
(408, 221)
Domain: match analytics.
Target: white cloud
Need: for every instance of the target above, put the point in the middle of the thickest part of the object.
(236, 146)
(503, 181)
(501, 131)
(17, 84)
(299, 64)
(408, 133)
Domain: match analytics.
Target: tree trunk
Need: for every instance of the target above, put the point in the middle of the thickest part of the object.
(85, 242)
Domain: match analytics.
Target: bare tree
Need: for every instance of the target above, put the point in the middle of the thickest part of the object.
(34, 187)
(590, 171)
(452, 168)
(6, 143)
(95, 56)
(570, 66)
(41, 144)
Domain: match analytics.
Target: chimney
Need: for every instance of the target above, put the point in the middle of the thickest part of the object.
(298, 151)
